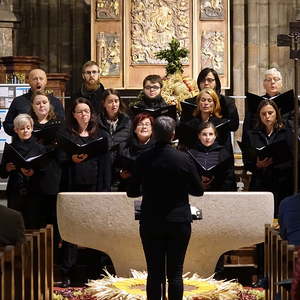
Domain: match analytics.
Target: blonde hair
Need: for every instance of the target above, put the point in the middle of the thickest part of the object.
(21, 119)
(217, 107)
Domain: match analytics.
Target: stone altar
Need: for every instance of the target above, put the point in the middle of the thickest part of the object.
(105, 221)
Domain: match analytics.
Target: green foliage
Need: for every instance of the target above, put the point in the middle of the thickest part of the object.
(173, 56)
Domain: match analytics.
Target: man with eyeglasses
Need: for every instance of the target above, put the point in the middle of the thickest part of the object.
(91, 89)
(37, 80)
(150, 97)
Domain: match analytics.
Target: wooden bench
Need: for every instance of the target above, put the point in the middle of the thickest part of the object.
(280, 259)
(26, 270)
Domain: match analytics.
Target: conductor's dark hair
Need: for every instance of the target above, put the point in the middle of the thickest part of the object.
(204, 73)
(164, 129)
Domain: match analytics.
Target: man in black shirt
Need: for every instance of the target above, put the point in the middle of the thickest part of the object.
(37, 80)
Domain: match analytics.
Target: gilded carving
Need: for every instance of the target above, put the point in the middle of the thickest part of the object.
(212, 50)
(153, 24)
(212, 9)
(108, 53)
(107, 9)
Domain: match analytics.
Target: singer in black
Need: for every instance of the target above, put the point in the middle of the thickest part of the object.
(267, 175)
(166, 177)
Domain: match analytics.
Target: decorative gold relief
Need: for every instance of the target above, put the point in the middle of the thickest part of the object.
(212, 10)
(153, 24)
(212, 50)
(107, 9)
(108, 54)
(15, 77)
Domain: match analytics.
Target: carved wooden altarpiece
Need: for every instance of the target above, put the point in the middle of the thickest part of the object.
(125, 35)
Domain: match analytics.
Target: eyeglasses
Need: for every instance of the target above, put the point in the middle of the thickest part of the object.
(209, 80)
(143, 125)
(91, 72)
(275, 79)
(152, 87)
(81, 112)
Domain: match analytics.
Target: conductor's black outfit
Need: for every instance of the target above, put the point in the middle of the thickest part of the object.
(167, 177)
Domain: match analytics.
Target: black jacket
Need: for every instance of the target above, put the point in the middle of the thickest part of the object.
(275, 178)
(19, 184)
(167, 177)
(121, 134)
(21, 105)
(127, 154)
(95, 97)
(94, 172)
(214, 155)
(228, 110)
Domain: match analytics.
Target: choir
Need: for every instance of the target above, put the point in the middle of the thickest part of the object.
(204, 132)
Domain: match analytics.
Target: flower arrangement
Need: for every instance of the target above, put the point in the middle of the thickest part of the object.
(176, 86)
(196, 288)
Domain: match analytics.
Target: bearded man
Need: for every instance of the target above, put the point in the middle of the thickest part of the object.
(91, 89)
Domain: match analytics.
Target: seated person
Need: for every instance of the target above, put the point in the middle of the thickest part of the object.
(11, 227)
(289, 219)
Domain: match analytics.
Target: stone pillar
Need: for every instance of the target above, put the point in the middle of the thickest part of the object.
(7, 21)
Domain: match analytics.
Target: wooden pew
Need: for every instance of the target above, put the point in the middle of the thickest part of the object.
(280, 259)
(26, 270)
(29, 275)
(2, 270)
(9, 278)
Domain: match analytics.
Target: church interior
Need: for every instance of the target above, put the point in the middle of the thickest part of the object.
(238, 240)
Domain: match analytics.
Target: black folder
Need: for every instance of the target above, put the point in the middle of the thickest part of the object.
(209, 171)
(187, 110)
(93, 148)
(284, 101)
(47, 132)
(34, 162)
(169, 110)
(280, 151)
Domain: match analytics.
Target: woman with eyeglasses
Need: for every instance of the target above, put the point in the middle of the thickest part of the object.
(86, 174)
(209, 78)
(140, 141)
(116, 123)
(81, 172)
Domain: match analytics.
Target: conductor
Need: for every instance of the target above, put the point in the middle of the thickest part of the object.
(166, 177)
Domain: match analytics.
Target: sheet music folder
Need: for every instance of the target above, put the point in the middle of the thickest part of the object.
(46, 132)
(35, 162)
(169, 110)
(284, 101)
(92, 148)
(187, 110)
(208, 171)
(279, 151)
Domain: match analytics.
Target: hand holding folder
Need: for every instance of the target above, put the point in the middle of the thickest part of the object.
(91, 149)
(34, 162)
